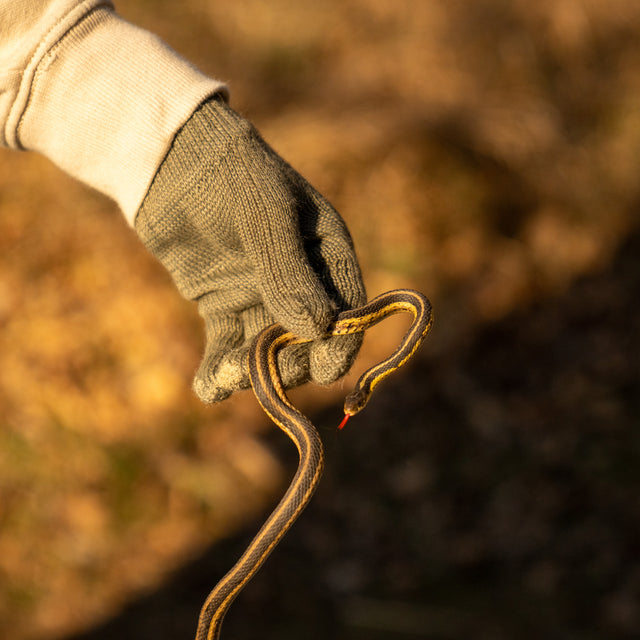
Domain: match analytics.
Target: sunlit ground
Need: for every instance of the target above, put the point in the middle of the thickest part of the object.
(486, 153)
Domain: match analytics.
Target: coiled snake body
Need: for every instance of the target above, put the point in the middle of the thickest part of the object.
(270, 393)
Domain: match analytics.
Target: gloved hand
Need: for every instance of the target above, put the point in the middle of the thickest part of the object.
(248, 238)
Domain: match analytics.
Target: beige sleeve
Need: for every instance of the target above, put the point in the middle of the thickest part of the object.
(100, 97)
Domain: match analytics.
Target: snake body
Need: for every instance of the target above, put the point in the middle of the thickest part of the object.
(268, 388)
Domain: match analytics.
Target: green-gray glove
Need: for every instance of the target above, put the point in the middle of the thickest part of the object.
(248, 238)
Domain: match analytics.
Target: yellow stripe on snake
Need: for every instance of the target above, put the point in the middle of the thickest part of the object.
(270, 393)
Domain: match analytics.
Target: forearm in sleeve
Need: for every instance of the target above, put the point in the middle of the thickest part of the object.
(100, 97)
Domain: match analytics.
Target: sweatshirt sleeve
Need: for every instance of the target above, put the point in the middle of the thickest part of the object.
(98, 96)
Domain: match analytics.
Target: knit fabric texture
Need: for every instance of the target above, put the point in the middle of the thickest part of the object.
(247, 237)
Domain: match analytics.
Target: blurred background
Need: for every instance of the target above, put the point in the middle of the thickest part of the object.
(483, 152)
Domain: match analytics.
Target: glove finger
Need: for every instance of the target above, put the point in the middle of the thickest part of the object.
(293, 361)
(293, 364)
(223, 368)
(333, 257)
(254, 319)
(291, 290)
(331, 358)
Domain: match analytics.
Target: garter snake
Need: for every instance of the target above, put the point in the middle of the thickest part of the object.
(268, 388)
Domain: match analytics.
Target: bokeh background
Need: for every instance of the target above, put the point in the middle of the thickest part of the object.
(485, 152)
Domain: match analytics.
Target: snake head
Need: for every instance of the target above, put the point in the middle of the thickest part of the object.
(355, 401)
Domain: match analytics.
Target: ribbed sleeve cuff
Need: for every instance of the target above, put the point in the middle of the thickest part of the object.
(106, 102)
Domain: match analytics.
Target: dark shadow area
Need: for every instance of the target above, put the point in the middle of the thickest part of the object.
(490, 492)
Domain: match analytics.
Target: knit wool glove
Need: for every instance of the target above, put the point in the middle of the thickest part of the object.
(248, 238)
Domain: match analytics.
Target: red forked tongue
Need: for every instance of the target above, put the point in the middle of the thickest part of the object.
(344, 421)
